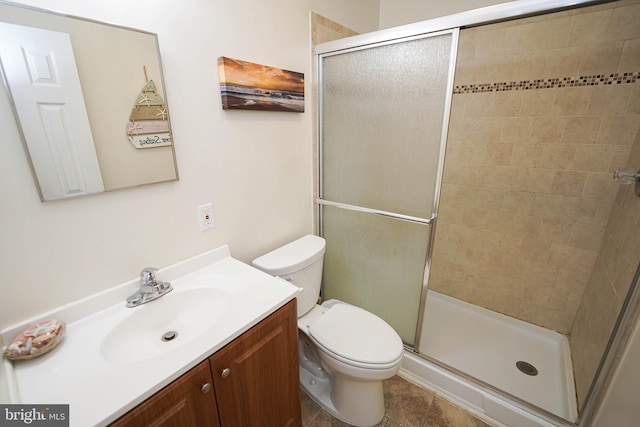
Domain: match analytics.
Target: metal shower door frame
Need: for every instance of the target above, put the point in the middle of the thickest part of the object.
(430, 219)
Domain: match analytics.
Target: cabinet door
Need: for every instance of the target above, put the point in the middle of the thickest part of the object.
(256, 376)
(187, 402)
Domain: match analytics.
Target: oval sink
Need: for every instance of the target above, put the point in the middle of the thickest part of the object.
(164, 324)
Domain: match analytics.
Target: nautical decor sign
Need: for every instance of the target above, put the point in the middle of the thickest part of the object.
(248, 86)
(149, 121)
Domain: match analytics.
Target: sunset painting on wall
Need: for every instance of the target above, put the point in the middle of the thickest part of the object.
(248, 86)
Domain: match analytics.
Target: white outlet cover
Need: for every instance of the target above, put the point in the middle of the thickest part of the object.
(205, 216)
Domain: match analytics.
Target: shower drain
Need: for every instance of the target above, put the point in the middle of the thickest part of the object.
(526, 368)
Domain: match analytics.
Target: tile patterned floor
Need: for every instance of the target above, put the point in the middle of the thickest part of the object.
(407, 405)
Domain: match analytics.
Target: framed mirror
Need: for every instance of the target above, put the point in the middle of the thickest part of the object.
(89, 102)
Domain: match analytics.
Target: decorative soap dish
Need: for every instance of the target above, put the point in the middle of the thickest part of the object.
(36, 340)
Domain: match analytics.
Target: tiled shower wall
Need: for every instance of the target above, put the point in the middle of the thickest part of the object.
(544, 109)
(609, 283)
(325, 30)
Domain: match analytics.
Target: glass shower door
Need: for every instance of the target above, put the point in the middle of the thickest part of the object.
(383, 114)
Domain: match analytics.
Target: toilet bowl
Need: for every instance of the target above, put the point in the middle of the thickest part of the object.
(345, 352)
(355, 350)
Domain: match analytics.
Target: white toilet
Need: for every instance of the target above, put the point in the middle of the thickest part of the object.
(345, 351)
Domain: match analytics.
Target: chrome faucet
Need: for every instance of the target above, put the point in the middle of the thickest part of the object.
(150, 288)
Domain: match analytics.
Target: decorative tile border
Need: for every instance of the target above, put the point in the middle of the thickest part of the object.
(600, 79)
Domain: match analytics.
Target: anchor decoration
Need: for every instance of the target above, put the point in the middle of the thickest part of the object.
(149, 121)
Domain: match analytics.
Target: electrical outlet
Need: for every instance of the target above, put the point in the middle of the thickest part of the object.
(205, 216)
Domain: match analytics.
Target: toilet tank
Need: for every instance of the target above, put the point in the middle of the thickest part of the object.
(298, 262)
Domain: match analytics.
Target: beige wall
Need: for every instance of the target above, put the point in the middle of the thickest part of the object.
(400, 12)
(256, 167)
(527, 189)
(612, 275)
(325, 30)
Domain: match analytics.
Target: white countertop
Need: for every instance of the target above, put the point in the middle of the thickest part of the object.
(4, 387)
(100, 391)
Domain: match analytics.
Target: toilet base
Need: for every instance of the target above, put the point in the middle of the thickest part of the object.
(320, 391)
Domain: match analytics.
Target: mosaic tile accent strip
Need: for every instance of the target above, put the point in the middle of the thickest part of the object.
(597, 80)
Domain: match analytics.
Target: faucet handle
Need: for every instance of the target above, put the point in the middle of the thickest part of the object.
(148, 276)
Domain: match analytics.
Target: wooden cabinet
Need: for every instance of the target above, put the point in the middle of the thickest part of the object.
(255, 382)
(256, 377)
(188, 401)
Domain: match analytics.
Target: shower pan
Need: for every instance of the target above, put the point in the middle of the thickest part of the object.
(465, 195)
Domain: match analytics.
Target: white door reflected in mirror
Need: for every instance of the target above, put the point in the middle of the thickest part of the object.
(40, 69)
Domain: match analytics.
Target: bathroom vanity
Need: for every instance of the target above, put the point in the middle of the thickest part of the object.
(233, 359)
(251, 381)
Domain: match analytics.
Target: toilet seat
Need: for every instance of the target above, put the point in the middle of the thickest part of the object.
(356, 337)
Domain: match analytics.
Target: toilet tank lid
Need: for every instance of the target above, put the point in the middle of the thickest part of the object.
(292, 257)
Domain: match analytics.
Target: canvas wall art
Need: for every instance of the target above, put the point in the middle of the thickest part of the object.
(248, 86)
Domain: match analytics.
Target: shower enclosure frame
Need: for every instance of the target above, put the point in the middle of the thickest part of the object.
(431, 220)
(453, 23)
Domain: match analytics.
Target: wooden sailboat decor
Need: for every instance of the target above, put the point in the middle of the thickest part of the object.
(149, 121)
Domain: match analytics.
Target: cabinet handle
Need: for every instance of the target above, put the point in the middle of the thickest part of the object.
(205, 388)
(225, 372)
